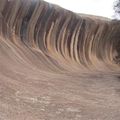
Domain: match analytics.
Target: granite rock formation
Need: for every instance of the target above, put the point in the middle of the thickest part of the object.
(56, 64)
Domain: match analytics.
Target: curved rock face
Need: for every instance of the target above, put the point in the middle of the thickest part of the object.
(57, 65)
(60, 34)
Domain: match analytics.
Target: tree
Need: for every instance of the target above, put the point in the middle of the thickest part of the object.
(117, 8)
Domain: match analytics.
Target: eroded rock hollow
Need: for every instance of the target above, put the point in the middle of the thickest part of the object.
(56, 64)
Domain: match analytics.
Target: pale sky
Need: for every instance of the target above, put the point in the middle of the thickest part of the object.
(94, 7)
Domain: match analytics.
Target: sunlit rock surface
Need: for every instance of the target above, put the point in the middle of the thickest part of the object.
(57, 65)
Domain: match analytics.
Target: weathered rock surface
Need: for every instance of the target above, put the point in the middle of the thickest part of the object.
(57, 65)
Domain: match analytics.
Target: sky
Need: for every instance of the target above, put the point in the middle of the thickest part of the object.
(93, 7)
